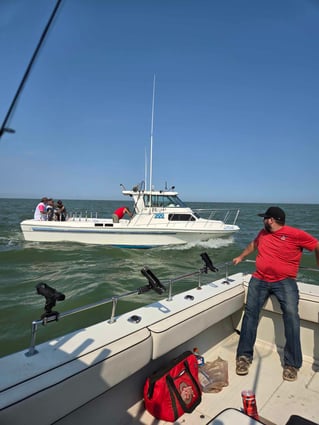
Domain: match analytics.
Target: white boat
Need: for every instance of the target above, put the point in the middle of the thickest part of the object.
(96, 374)
(160, 218)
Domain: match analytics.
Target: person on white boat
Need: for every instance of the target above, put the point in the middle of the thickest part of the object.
(279, 251)
(50, 209)
(60, 211)
(40, 212)
(119, 214)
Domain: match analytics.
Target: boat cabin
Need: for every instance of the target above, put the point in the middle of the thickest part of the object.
(158, 201)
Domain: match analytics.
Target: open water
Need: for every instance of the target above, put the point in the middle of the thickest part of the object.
(86, 274)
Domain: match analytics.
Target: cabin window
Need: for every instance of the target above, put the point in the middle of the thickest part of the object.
(163, 201)
(181, 217)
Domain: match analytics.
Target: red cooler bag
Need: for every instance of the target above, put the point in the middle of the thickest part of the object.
(173, 390)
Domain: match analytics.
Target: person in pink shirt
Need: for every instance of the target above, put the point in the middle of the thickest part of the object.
(40, 212)
(279, 251)
(119, 213)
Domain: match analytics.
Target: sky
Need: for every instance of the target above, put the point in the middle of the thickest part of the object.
(236, 105)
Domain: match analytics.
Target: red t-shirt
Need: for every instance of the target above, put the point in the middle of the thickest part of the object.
(120, 212)
(279, 252)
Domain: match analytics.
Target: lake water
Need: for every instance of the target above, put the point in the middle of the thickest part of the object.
(86, 274)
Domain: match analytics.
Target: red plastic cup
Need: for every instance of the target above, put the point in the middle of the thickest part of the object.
(249, 403)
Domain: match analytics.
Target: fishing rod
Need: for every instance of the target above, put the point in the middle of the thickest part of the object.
(4, 128)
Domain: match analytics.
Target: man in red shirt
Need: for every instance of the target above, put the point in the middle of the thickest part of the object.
(119, 213)
(279, 253)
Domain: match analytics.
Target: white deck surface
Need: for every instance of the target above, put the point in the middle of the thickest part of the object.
(276, 399)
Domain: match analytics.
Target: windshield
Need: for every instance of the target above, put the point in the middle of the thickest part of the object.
(163, 201)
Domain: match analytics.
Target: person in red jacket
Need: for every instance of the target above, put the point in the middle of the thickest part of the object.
(279, 251)
(119, 213)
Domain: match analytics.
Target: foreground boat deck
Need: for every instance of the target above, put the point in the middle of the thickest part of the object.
(276, 399)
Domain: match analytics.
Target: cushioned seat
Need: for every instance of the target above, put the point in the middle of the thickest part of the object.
(191, 321)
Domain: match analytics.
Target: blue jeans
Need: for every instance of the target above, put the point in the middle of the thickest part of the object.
(286, 291)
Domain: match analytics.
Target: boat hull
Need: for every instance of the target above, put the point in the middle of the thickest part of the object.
(99, 372)
(123, 234)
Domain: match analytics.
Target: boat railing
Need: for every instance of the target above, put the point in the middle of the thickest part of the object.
(228, 216)
(52, 296)
(301, 268)
(154, 283)
(82, 216)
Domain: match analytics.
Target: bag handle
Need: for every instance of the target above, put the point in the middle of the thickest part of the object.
(162, 372)
(170, 383)
(171, 388)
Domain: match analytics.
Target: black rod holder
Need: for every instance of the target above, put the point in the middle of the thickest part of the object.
(153, 282)
(208, 263)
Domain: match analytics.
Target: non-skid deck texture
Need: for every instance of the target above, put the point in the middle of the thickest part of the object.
(276, 399)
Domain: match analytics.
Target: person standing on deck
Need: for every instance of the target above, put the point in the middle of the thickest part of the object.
(40, 212)
(119, 214)
(279, 251)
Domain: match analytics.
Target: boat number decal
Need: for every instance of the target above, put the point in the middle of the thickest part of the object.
(159, 215)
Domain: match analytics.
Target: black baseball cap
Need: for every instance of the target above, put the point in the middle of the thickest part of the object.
(274, 212)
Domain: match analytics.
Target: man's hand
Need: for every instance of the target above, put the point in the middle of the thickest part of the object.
(237, 260)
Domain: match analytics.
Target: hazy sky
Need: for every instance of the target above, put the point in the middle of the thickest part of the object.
(236, 114)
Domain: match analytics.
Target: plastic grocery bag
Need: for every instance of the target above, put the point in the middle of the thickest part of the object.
(213, 376)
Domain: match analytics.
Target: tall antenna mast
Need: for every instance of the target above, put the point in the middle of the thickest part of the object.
(152, 128)
(145, 168)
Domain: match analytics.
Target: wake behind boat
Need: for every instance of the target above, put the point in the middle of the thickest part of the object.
(160, 218)
(96, 374)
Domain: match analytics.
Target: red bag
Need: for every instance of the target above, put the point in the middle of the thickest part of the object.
(173, 390)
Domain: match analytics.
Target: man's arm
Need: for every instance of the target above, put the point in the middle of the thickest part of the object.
(248, 250)
(127, 211)
(317, 254)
